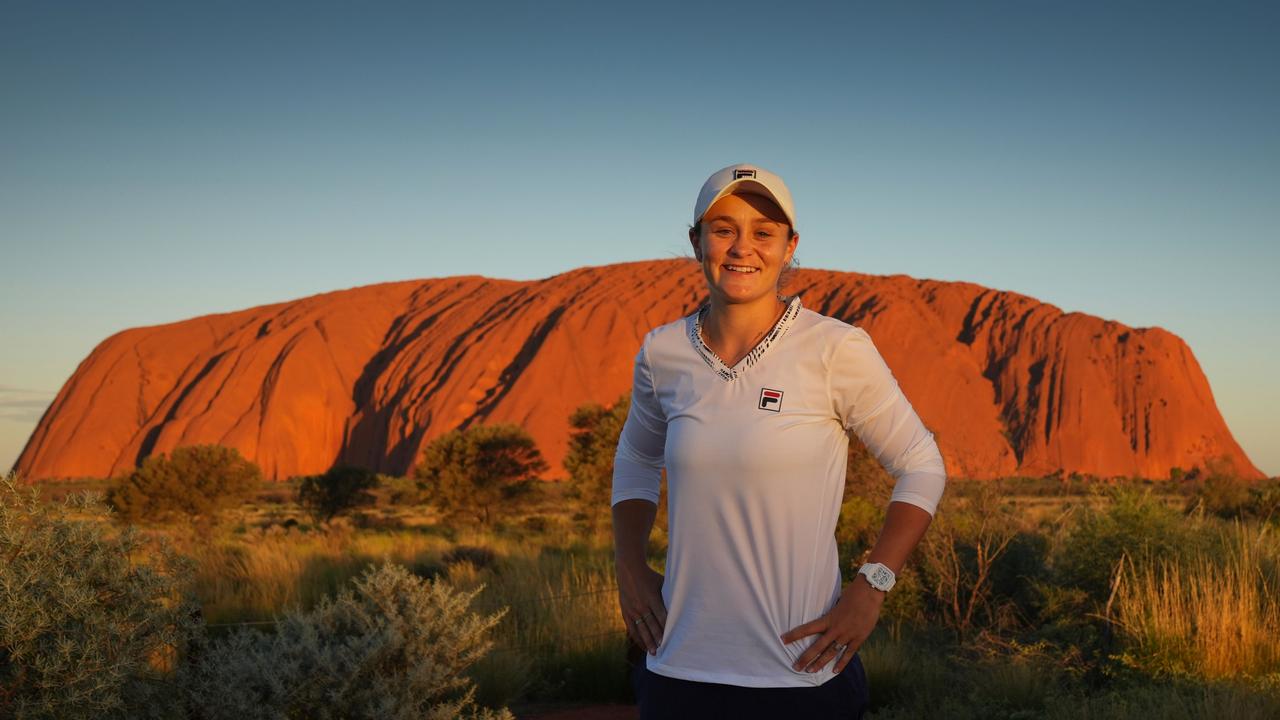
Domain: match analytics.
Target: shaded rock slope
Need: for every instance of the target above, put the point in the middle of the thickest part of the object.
(370, 375)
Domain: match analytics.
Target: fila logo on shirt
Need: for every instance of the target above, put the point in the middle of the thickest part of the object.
(770, 400)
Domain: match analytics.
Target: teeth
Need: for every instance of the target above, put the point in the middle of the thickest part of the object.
(741, 268)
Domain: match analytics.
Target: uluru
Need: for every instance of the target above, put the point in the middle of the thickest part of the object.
(1008, 384)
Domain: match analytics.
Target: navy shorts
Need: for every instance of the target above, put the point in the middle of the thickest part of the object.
(844, 696)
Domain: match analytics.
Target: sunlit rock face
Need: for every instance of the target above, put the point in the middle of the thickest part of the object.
(370, 375)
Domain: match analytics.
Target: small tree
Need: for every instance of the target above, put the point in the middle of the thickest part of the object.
(959, 556)
(1222, 491)
(473, 471)
(339, 490)
(593, 441)
(84, 631)
(393, 646)
(196, 481)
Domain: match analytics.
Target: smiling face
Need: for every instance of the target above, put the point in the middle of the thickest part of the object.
(743, 246)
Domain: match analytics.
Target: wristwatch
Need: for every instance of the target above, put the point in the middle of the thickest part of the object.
(878, 576)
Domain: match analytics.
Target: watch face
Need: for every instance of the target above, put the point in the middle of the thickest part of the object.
(878, 576)
(881, 577)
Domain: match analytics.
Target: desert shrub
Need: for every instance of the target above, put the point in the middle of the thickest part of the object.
(1066, 616)
(1264, 502)
(84, 631)
(1230, 497)
(340, 490)
(1134, 523)
(960, 559)
(391, 646)
(195, 481)
(1021, 565)
(1223, 495)
(402, 490)
(593, 441)
(475, 471)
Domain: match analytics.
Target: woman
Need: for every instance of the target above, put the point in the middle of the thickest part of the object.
(746, 403)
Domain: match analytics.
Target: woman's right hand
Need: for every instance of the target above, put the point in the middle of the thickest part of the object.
(640, 596)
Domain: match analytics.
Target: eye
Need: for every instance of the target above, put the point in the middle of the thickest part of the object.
(723, 232)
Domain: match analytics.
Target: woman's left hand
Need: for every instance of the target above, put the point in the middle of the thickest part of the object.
(850, 621)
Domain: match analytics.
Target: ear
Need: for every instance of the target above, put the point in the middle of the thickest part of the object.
(791, 247)
(696, 242)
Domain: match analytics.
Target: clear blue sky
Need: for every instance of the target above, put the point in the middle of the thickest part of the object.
(164, 160)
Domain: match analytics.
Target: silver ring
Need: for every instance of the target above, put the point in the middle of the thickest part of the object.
(841, 647)
(639, 620)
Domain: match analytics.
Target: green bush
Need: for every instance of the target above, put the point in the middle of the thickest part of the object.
(1134, 523)
(1264, 503)
(393, 646)
(1222, 495)
(84, 631)
(593, 441)
(402, 491)
(1230, 497)
(475, 471)
(195, 481)
(340, 490)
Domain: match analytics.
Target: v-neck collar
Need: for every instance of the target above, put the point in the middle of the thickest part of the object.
(751, 358)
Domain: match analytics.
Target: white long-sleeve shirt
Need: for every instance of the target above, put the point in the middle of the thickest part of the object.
(755, 458)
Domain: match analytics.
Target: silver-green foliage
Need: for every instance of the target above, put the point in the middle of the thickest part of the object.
(395, 646)
(83, 630)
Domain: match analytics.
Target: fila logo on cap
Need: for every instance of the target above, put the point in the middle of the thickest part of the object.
(738, 174)
(770, 400)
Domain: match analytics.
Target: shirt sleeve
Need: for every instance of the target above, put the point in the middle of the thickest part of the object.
(869, 402)
(637, 464)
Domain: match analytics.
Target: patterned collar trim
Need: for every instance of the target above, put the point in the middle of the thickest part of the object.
(715, 363)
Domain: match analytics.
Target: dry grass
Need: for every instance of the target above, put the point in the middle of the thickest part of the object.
(1212, 616)
(261, 572)
(562, 634)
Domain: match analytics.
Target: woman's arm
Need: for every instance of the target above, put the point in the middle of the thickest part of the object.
(870, 403)
(632, 522)
(904, 526)
(637, 476)
(858, 610)
(639, 586)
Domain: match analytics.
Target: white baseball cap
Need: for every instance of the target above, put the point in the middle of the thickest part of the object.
(744, 178)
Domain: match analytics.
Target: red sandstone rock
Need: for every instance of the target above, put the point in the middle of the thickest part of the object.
(370, 375)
